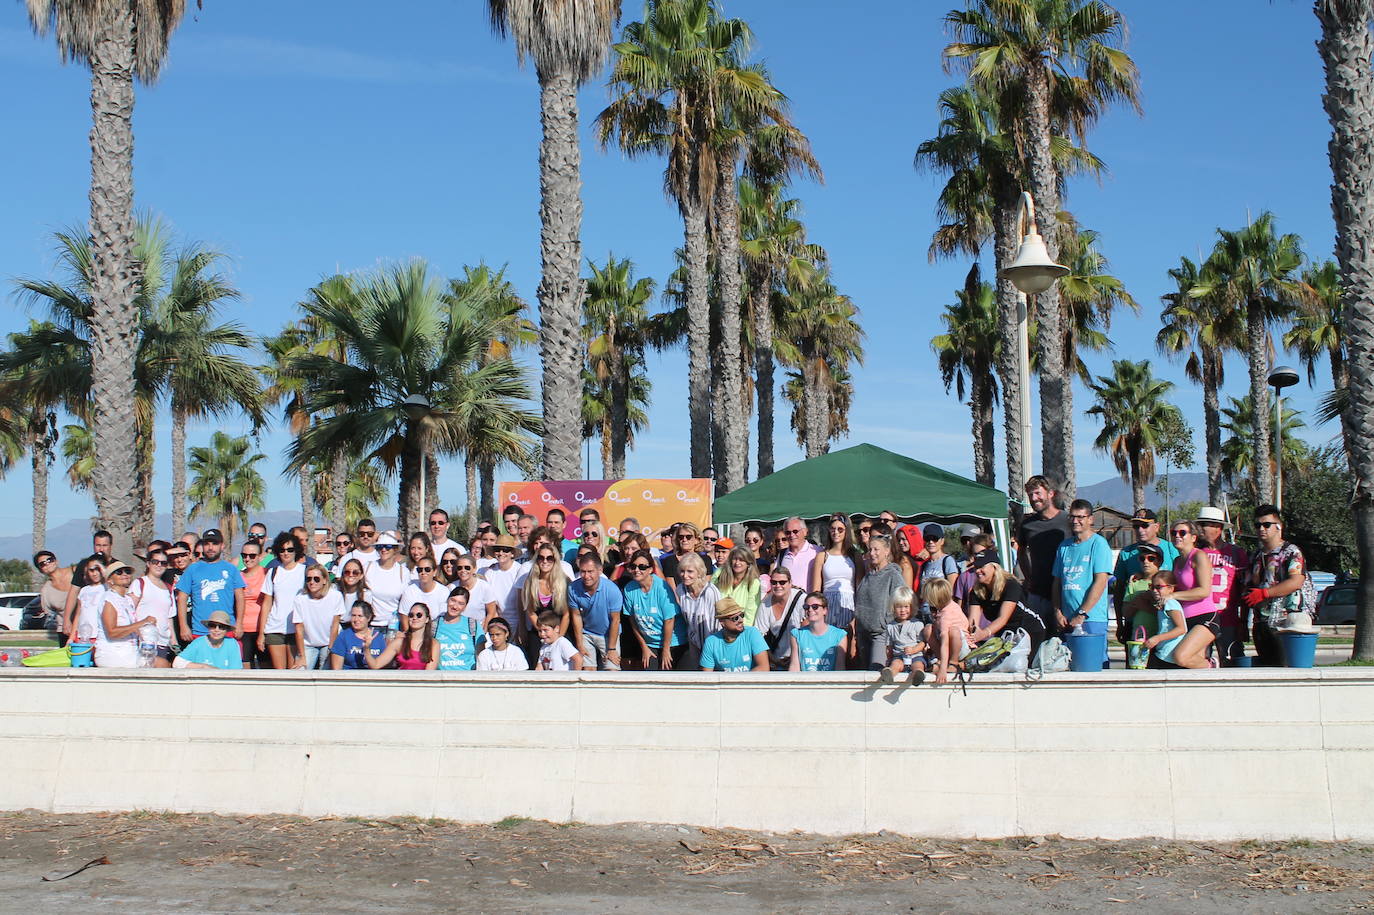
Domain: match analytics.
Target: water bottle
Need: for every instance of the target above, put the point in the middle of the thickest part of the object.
(147, 645)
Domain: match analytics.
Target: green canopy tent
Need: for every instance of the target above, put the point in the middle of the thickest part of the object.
(866, 479)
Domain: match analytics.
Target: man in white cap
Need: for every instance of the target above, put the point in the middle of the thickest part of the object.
(1229, 563)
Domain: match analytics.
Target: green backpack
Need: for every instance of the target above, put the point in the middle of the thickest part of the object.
(989, 654)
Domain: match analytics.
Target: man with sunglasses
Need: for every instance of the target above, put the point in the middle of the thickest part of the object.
(502, 577)
(1278, 578)
(1082, 565)
(735, 647)
(209, 584)
(800, 554)
(365, 545)
(438, 534)
(1145, 524)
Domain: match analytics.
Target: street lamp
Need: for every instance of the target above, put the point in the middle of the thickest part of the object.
(1032, 272)
(1281, 377)
(417, 407)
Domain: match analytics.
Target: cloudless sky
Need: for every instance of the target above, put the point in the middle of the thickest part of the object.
(305, 138)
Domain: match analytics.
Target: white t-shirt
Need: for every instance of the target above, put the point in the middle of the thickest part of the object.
(155, 602)
(436, 600)
(282, 584)
(486, 562)
(122, 652)
(557, 655)
(441, 545)
(317, 616)
(384, 590)
(502, 584)
(508, 658)
(479, 595)
(366, 559)
(90, 603)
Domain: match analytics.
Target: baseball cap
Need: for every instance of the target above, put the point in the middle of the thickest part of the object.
(986, 557)
(213, 535)
(933, 531)
(1144, 514)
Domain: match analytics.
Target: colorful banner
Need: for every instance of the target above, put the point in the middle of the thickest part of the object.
(656, 504)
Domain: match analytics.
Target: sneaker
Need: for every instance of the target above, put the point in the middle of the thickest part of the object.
(886, 675)
(917, 676)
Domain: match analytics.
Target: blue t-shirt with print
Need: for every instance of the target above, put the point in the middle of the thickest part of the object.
(819, 652)
(228, 656)
(456, 651)
(651, 609)
(209, 586)
(1075, 564)
(349, 646)
(732, 657)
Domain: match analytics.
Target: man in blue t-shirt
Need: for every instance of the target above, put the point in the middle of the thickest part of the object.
(735, 647)
(207, 585)
(598, 604)
(1082, 568)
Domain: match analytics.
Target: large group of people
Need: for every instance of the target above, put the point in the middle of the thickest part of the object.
(847, 592)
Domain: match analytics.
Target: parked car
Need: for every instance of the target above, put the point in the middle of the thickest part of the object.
(1321, 581)
(1336, 606)
(35, 617)
(12, 608)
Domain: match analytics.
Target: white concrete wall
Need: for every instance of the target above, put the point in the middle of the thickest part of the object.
(1199, 755)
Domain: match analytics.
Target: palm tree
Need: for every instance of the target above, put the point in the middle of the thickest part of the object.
(287, 387)
(1028, 43)
(225, 482)
(406, 337)
(615, 322)
(505, 311)
(597, 408)
(967, 353)
(78, 449)
(199, 358)
(1237, 451)
(568, 41)
(1204, 330)
(1253, 269)
(1134, 416)
(1319, 331)
(818, 333)
(117, 40)
(676, 75)
(1348, 97)
(363, 490)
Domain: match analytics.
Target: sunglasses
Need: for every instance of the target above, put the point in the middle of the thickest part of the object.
(641, 567)
(157, 562)
(545, 559)
(437, 523)
(1265, 525)
(387, 546)
(449, 562)
(737, 618)
(285, 549)
(464, 568)
(1141, 523)
(250, 555)
(424, 568)
(781, 581)
(591, 534)
(1181, 533)
(314, 578)
(418, 616)
(218, 626)
(343, 544)
(352, 572)
(815, 606)
(710, 539)
(502, 549)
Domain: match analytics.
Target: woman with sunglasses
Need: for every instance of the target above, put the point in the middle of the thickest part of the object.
(833, 572)
(545, 590)
(116, 641)
(254, 578)
(817, 646)
(315, 613)
(447, 573)
(386, 581)
(52, 596)
(415, 647)
(425, 588)
(482, 605)
(1193, 569)
(285, 579)
(782, 611)
(153, 597)
(352, 583)
(650, 605)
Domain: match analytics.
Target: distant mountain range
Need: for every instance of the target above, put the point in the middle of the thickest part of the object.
(1116, 492)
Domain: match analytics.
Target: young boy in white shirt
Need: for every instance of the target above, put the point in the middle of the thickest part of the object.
(558, 653)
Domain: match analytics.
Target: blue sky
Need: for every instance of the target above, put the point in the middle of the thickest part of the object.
(301, 144)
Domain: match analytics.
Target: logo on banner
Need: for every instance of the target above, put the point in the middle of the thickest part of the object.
(649, 497)
(686, 499)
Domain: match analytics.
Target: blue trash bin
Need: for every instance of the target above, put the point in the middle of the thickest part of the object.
(1086, 652)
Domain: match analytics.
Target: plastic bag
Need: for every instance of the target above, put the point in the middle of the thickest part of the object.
(1019, 659)
(1053, 656)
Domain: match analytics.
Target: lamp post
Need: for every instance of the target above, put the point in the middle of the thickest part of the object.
(1281, 377)
(1031, 272)
(417, 407)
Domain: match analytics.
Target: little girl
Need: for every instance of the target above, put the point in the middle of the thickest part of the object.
(1171, 625)
(906, 640)
(1138, 601)
(950, 624)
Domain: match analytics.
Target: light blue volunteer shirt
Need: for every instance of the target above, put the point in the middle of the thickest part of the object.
(209, 586)
(1075, 564)
(456, 651)
(819, 652)
(732, 657)
(651, 609)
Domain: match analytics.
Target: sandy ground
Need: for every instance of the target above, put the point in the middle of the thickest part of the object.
(159, 862)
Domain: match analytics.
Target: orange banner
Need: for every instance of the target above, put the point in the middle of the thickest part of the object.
(656, 504)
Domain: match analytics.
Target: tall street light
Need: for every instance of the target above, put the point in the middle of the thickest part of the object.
(1031, 272)
(1281, 377)
(417, 407)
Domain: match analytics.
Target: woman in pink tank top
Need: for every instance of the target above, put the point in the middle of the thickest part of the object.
(1194, 571)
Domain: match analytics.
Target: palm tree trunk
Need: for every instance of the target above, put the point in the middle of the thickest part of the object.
(487, 470)
(1008, 367)
(470, 516)
(338, 493)
(560, 286)
(607, 434)
(698, 337)
(762, 311)
(432, 500)
(1056, 425)
(179, 519)
(114, 318)
(1346, 47)
(1137, 479)
(984, 433)
(620, 416)
(408, 492)
(40, 453)
(1211, 418)
(1261, 471)
(1340, 381)
(730, 285)
(146, 520)
(816, 407)
(308, 507)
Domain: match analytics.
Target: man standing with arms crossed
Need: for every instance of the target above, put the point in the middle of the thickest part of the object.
(207, 585)
(1082, 565)
(1039, 537)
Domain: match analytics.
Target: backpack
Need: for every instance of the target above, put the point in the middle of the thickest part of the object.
(1052, 657)
(989, 654)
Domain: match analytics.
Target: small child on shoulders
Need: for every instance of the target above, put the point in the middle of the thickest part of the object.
(557, 653)
(906, 640)
(950, 625)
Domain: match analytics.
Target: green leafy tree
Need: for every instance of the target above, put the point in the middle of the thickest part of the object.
(225, 482)
(615, 321)
(567, 40)
(1131, 403)
(118, 41)
(1319, 331)
(819, 334)
(1238, 451)
(967, 352)
(286, 388)
(1313, 484)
